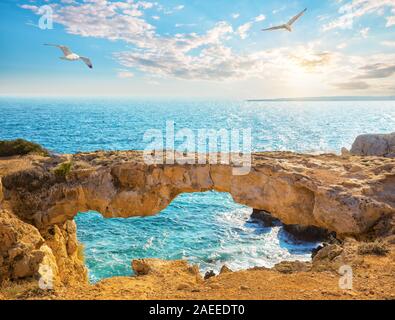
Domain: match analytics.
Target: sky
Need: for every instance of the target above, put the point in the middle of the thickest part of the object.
(198, 48)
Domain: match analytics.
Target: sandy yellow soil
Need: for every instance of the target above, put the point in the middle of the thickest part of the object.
(374, 278)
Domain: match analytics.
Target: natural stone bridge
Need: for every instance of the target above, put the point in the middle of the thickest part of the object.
(348, 195)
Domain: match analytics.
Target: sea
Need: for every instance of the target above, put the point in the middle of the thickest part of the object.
(208, 229)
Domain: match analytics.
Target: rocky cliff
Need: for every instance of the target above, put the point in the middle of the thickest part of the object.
(347, 195)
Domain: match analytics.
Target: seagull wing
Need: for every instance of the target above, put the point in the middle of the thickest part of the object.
(290, 22)
(87, 62)
(66, 51)
(274, 28)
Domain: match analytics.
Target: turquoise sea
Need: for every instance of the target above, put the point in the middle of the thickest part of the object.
(205, 228)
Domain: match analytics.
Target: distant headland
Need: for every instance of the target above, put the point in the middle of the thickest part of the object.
(335, 98)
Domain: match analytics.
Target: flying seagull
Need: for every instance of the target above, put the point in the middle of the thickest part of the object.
(288, 25)
(70, 56)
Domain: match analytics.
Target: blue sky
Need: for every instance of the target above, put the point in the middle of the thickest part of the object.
(199, 48)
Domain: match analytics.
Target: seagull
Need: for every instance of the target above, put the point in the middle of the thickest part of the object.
(288, 25)
(70, 56)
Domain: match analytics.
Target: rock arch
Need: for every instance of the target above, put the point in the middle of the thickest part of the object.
(347, 195)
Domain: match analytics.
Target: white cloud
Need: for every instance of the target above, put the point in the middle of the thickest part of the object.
(243, 29)
(179, 7)
(168, 10)
(125, 74)
(259, 18)
(364, 32)
(235, 15)
(275, 11)
(155, 17)
(207, 56)
(29, 7)
(356, 9)
(179, 25)
(388, 43)
(390, 21)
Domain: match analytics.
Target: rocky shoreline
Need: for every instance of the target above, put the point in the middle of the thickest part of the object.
(348, 200)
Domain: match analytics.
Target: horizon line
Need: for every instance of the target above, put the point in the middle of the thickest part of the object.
(317, 98)
(328, 98)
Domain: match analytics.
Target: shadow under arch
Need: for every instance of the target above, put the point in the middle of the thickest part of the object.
(206, 228)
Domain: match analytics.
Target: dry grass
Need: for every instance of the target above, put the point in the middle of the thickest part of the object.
(376, 248)
(20, 147)
(63, 169)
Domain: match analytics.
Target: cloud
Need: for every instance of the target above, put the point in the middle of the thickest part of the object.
(243, 29)
(30, 7)
(260, 18)
(356, 9)
(364, 32)
(179, 25)
(390, 21)
(314, 60)
(358, 85)
(235, 15)
(104, 19)
(388, 43)
(179, 7)
(207, 55)
(125, 74)
(275, 11)
(377, 71)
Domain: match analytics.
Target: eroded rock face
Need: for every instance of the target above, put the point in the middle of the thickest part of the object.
(350, 196)
(382, 145)
(347, 196)
(23, 250)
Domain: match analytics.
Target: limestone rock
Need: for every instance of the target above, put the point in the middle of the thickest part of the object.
(153, 266)
(353, 196)
(225, 269)
(22, 250)
(382, 145)
(345, 152)
(322, 190)
(292, 266)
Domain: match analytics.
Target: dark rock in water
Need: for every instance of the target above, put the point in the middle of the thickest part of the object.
(302, 233)
(309, 233)
(209, 274)
(265, 217)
